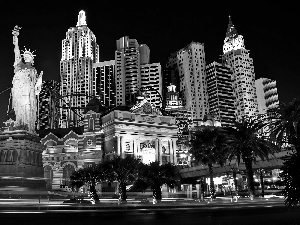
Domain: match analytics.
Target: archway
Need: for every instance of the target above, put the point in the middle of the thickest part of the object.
(67, 172)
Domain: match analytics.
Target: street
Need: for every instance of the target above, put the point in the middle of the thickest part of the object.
(246, 214)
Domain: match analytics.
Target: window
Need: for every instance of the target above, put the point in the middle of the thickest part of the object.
(91, 124)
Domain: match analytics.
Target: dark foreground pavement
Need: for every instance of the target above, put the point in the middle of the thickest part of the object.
(180, 211)
(206, 215)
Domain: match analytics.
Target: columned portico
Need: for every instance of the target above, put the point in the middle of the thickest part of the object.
(151, 137)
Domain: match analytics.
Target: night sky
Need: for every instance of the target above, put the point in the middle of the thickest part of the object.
(270, 33)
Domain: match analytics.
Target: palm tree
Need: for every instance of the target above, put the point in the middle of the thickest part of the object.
(285, 126)
(244, 142)
(290, 175)
(123, 170)
(207, 148)
(89, 176)
(154, 176)
(285, 130)
(260, 174)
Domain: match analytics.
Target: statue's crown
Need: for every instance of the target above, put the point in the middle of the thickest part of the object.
(28, 52)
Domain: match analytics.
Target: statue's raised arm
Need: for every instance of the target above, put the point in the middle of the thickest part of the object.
(16, 32)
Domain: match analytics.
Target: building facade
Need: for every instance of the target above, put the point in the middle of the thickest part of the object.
(220, 93)
(267, 96)
(79, 52)
(104, 82)
(243, 76)
(140, 132)
(189, 63)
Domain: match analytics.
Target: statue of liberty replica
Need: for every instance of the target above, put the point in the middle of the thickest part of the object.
(20, 148)
(26, 85)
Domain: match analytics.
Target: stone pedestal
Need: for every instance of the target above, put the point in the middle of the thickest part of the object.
(21, 160)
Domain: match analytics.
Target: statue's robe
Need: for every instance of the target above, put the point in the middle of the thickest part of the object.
(23, 95)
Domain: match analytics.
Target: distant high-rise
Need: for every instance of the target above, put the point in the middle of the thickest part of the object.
(79, 52)
(151, 79)
(243, 76)
(48, 112)
(144, 54)
(267, 95)
(189, 64)
(220, 93)
(128, 77)
(169, 77)
(134, 71)
(104, 82)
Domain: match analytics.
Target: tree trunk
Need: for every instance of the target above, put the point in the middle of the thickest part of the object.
(261, 176)
(250, 180)
(93, 193)
(157, 195)
(212, 185)
(122, 192)
(235, 182)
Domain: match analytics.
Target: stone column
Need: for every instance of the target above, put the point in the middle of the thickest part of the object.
(198, 188)
(174, 150)
(118, 145)
(157, 149)
(189, 191)
(160, 151)
(135, 148)
(138, 146)
(122, 147)
(170, 146)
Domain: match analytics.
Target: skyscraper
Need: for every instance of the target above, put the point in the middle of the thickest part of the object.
(79, 52)
(151, 79)
(134, 71)
(104, 82)
(189, 64)
(243, 77)
(267, 95)
(169, 77)
(220, 93)
(128, 77)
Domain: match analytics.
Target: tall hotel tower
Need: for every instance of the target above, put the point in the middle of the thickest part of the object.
(267, 95)
(189, 64)
(243, 77)
(104, 82)
(79, 52)
(220, 93)
(134, 71)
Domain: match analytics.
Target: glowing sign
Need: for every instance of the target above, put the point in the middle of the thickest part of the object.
(148, 155)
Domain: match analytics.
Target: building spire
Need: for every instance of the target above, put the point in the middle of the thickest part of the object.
(231, 31)
(81, 19)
